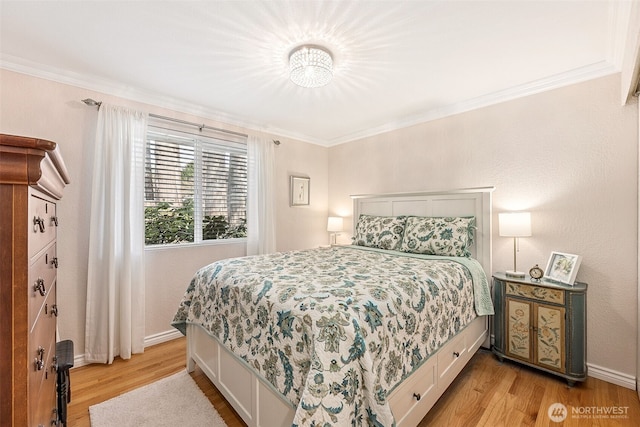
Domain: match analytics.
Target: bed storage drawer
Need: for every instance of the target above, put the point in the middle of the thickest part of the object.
(416, 395)
(452, 358)
(474, 334)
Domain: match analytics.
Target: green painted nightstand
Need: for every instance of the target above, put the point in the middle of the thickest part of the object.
(541, 324)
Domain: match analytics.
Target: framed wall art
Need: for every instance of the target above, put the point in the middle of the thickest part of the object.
(562, 267)
(299, 190)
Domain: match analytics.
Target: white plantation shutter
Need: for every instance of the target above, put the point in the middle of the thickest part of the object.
(195, 187)
(224, 183)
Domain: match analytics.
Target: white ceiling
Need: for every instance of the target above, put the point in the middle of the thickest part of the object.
(396, 63)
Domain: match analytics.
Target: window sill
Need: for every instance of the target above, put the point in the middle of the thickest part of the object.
(217, 242)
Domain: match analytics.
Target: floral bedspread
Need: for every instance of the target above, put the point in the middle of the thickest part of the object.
(334, 330)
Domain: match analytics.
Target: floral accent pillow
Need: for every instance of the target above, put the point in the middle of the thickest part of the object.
(383, 232)
(445, 236)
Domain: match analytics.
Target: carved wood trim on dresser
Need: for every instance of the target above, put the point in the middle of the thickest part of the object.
(32, 178)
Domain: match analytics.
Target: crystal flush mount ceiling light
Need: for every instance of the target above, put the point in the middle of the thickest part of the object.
(310, 66)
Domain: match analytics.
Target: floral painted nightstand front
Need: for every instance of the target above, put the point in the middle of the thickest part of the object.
(542, 325)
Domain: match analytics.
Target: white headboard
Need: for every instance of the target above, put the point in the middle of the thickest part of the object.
(463, 202)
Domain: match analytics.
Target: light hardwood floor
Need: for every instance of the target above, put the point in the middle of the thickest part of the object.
(486, 393)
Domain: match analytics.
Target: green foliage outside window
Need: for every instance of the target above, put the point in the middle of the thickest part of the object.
(166, 224)
(217, 227)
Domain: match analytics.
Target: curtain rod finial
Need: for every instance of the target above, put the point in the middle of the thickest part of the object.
(92, 102)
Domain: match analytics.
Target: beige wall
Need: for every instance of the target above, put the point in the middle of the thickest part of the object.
(41, 108)
(568, 156)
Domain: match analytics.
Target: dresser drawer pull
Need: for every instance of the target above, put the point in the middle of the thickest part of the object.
(417, 396)
(39, 287)
(54, 262)
(456, 354)
(38, 224)
(39, 363)
(54, 310)
(54, 220)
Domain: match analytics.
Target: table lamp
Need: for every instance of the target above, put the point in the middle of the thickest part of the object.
(515, 224)
(334, 226)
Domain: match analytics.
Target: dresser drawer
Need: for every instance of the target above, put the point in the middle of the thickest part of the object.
(42, 277)
(539, 293)
(42, 222)
(43, 399)
(41, 352)
(45, 409)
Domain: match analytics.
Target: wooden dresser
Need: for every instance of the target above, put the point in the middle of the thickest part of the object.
(32, 177)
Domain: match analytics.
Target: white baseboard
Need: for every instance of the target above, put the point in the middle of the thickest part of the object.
(165, 336)
(611, 376)
(154, 339)
(78, 360)
(605, 374)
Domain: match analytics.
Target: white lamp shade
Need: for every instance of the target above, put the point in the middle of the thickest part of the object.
(515, 224)
(334, 224)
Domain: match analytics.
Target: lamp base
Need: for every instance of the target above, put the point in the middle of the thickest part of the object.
(515, 274)
(333, 238)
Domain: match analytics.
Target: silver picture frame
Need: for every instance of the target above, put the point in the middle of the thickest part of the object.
(300, 190)
(562, 267)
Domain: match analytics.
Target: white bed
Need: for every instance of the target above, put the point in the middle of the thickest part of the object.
(259, 404)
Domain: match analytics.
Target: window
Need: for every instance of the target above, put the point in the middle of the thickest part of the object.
(195, 186)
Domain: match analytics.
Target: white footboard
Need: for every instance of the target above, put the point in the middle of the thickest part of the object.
(257, 403)
(260, 405)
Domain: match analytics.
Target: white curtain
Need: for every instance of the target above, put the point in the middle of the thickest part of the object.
(115, 283)
(261, 233)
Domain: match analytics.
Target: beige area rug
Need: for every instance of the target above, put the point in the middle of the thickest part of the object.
(173, 401)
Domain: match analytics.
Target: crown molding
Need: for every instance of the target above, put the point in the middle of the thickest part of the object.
(111, 88)
(593, 71)
(599, 69)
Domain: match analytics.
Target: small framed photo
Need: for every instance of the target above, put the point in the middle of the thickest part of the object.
(299, 190)
(562, 267)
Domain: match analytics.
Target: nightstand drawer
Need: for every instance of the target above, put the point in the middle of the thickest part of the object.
(540, 293)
